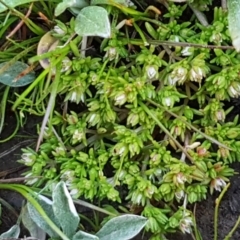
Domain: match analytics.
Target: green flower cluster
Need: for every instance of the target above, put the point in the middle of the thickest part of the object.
(148, 127)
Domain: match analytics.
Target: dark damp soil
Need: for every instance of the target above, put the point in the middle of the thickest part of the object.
(9, 167)
(229, 209)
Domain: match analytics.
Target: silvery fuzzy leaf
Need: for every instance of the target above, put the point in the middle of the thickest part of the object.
(64, 209)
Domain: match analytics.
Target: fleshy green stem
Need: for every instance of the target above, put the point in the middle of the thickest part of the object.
(29, 89)
(191, 126)
(229, 236)
(34, 84)
(149, 112)
(218, 200)
(200, 15)
(51, 103)
(141, 34)
(3, 107)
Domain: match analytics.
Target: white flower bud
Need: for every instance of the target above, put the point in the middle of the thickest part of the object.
(220, 115)
(196, 74)
(75, 193)
(179, 195)
(59, 151)
(68, 175)
(28, 159)
(218, 184)
(120, 99)
(32, 180)
(58, 30)
(167, 101)
(73, 97)
(66, 64)
(111, 53)
(151, 72)
(234, 90)
(179, 74)
(193, 145)
(181, 179)
(185, 225)
(216, 38)
(187, 51)
(78, 135)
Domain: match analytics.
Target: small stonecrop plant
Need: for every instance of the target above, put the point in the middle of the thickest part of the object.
(149, 126)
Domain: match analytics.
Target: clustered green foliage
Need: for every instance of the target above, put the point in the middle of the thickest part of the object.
(134, 110)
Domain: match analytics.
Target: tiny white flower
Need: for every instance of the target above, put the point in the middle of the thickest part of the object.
(185, 224)
(181, 178)
(172, 80)
(92, 117)
(82, 97)
(158, 172)
(234, 90)
(77, 135)
(111, 53)
(151, 72)
(73, 97)
(111, 181)
(133, 119)
(28, 159)
(121, 150)
(21, 114)
(193, 74)
(216, 38)
(155, 157)
(179, 195)
(94, 78)
(167, 101)
(193, 145)
(32, 180)
(58, 30)
(150, 190)
(174, 38)
(220, 115)
(236, 85)
(120, 99)
(129, 3)
(68, 175)
(187, 51)
(66, 64)
(196, 74)
(219, 184)
(138, 199)
(59, 151)
(179, 74)
(122, 174)
(75, 193)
